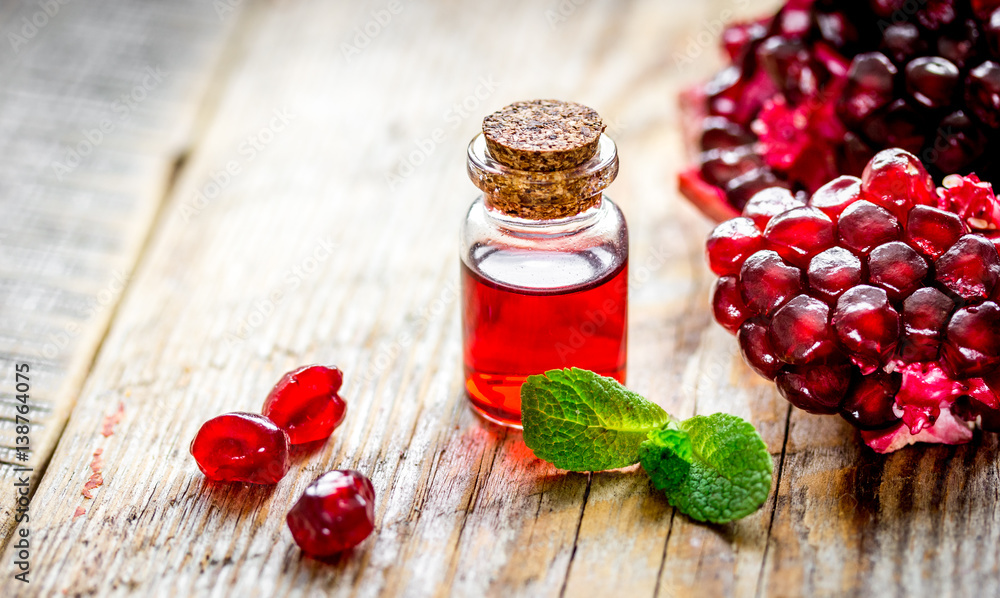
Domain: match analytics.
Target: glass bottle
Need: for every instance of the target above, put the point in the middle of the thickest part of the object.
(544, 254)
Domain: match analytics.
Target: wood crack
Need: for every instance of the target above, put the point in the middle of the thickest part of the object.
(774, 508)
(576, 535)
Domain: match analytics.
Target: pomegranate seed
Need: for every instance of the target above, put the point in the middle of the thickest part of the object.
(832, 272)
(897, 268)
(814, 388)
(902, 42)
(769, 203)
(896, 180)
(931, 80)
(721, 133)
(971, 410)
(869, 87)
(867, 326)
(727, 304)
(756, 348)
(721, 166)
(336, 512)
(800, 331)
(868, 404)
(799, 234)
(305, 403)
(864, 225)
(241, 447)
(833, 197)
(972, 340)
(925, 314)
(730, 244)
(767, 282)
(970, 269)
(933, 231)
(982, 93)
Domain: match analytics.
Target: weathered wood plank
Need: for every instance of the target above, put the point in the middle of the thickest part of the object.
(97, 102)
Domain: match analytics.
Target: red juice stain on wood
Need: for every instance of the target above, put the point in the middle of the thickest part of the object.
(96, 479)
(110, 421)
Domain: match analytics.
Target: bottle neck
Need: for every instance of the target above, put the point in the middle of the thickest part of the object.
(524, 195)
(595, 209)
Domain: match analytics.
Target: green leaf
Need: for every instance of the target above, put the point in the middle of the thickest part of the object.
(712, 468)
(580, 421)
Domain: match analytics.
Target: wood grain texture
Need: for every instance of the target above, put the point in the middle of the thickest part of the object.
(316, 221)
(97, 102)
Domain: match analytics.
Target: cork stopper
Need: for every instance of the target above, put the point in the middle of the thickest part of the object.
(543, 135)
(542, 160)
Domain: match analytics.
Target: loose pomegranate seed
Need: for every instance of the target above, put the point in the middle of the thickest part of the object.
(800, 332)
(925, 314)
(305, 403)
(832, 272)
(972, 340)
(867, 326)
(931, 80)
(970, 268)
(241, 447)
(868, 404)
(769, 203)
(767, 282)
(896, 180)
(799, 234)
(864, 225)
(336, 512)
(814, 388)
(757, 349)
(833, 197)
(730, 244)
(933, 231)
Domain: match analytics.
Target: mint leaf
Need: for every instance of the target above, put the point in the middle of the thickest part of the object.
(580, 421)
(712, 468)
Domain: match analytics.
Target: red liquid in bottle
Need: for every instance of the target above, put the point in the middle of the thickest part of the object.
(511, 333)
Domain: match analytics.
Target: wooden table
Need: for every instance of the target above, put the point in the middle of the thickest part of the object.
(262, 185)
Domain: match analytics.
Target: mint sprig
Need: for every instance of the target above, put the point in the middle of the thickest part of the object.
(712, 468)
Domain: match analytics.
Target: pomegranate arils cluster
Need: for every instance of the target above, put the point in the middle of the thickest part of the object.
(817, 89)
(245, 447)
(876, 299)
